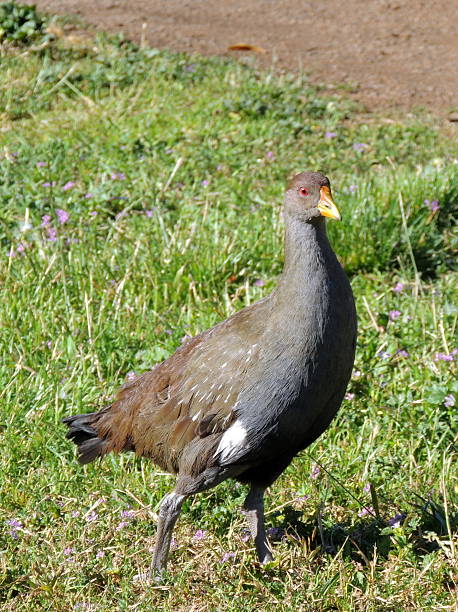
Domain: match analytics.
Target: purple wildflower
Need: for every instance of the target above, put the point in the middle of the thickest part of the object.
(246, 535)
(131, 376)
(259, 282)
(45, 220)
(199, 535)
(92, 516)
(444, 356)
(11, 253)
(349, 396)
(270, 155)
(68, 185)
(49, 344)
(68, 551)
(205, 183)
(190, 68)
(93, 213)
(121, 525)
(383, 355)
(118, 176)
(149, 213)
(100, 554)
(41, 164)
(20, 248)
(15, 526)
(359, 146)
(402, 353)
(302, 498)
(227, 556)
(367, 487)
(357, 374)
(75, 513)
(366, 510)
(49, 184)
(128, 514)
(89, 195)
(394, 314)
(62, 216)
(316, 470)
(275, 533)
(397, 520)
(433, 206)
(330, 134)
(52, 234)
(449, 400)
(219, 167)
(399, 287)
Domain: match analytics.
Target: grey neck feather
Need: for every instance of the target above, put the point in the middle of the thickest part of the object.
(307, 251)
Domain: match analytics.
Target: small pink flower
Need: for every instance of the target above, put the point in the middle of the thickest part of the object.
(52, 234)
(205, 183)
(227, 556)
(62, 216)
(68, 185)
(259, 282)
(131, 376)
(366, 510)
(394, 314)
(199, 535)
(330, 134)
(349, 396)
(41, 164)
(316, 471)
(121, 525)
(270, 155)
(100, 554)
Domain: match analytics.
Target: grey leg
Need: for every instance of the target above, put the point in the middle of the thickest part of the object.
(253, 509)
(168, 514)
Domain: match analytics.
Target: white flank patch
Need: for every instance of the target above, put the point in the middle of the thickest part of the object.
(231, 441)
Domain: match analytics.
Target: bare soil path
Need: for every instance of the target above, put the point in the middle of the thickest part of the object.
(395, 53)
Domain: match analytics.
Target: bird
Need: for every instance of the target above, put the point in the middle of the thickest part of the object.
(242, 399)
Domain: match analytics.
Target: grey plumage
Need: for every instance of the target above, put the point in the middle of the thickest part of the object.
(243, 398)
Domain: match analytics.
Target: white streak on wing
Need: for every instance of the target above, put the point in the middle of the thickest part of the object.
(196, 416)
(231, 441)
(224, 364)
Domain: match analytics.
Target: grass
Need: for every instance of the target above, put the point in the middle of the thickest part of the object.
(140, 198)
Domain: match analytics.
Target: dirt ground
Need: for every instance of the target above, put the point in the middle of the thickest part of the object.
(394, 53)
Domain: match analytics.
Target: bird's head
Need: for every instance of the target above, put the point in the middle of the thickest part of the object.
(308, 197)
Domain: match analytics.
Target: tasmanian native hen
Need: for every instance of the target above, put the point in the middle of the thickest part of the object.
(241, 399)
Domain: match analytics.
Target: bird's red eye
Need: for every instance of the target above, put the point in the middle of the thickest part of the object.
(303, 191)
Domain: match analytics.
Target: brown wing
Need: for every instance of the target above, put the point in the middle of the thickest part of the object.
(190, 396)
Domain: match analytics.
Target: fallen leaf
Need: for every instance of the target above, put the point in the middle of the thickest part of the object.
(246, 47)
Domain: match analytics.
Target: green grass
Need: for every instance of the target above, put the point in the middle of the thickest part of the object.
(171, 169)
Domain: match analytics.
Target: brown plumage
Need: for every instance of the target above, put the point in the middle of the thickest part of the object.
(243, 398)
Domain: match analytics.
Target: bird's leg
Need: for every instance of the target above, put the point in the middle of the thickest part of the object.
(253, 509)
(168, 514)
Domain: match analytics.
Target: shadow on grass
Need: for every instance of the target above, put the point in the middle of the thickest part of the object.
(421, 529)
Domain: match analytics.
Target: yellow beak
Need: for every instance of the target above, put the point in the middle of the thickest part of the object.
(326, 206)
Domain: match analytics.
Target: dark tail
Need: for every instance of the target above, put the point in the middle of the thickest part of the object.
(83, 434)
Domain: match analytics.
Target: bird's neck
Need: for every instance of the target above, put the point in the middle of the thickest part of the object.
(307, 253)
